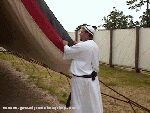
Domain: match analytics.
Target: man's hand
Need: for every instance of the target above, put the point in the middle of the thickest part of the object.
(75, 42)
(65, 42)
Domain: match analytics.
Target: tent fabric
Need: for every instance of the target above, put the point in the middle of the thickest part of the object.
(27, 31)
(43, 22)
(53, 20)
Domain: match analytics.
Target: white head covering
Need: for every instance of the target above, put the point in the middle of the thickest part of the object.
(89, 29)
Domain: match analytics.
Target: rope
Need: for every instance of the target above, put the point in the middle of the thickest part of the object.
(48, 72)
(129, 101)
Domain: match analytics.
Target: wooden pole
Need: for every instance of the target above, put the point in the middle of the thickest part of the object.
(137, 51)
(76, 35)
(111, 48)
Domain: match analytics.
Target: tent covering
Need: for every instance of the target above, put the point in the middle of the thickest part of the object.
(30, 29)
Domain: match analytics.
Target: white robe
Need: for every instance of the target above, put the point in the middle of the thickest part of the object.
(85, 93)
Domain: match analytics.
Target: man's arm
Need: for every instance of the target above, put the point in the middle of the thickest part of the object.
(72, 52)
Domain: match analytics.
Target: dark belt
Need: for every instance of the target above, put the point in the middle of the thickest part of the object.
(93, 75)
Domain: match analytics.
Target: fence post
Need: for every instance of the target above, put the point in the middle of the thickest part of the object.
(137, 51)
(111, 48)
(76, 35)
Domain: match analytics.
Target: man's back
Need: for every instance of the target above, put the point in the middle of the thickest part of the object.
(85, 57)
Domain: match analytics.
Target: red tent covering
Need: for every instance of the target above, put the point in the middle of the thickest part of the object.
(30, 29)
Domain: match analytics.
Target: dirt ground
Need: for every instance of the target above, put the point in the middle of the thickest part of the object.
(17, 91)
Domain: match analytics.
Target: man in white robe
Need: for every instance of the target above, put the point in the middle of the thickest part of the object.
(85, 92)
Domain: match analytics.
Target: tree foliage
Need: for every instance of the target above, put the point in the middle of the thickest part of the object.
(135, 4)
(145, 19)
(117, 20)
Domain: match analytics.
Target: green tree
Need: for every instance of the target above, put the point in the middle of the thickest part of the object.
(117, 20)
(145, 19)
(136, 4)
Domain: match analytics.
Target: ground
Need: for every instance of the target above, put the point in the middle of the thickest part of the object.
(16, 91)
(37, 87)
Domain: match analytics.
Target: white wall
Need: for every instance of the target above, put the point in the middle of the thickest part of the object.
(72, 35)
(124, 47)
(144, 57)
(103, 41)
(124, 43)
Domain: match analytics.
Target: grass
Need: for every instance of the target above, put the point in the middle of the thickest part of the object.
(117, 76)
(133, 85)
(53, 82)
(129, 83)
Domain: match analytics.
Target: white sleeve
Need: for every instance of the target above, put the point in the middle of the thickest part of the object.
(72, 52)
(95, 61)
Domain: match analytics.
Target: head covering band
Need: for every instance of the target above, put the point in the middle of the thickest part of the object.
(89, 29)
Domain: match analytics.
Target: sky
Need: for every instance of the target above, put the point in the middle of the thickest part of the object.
(72, 13)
